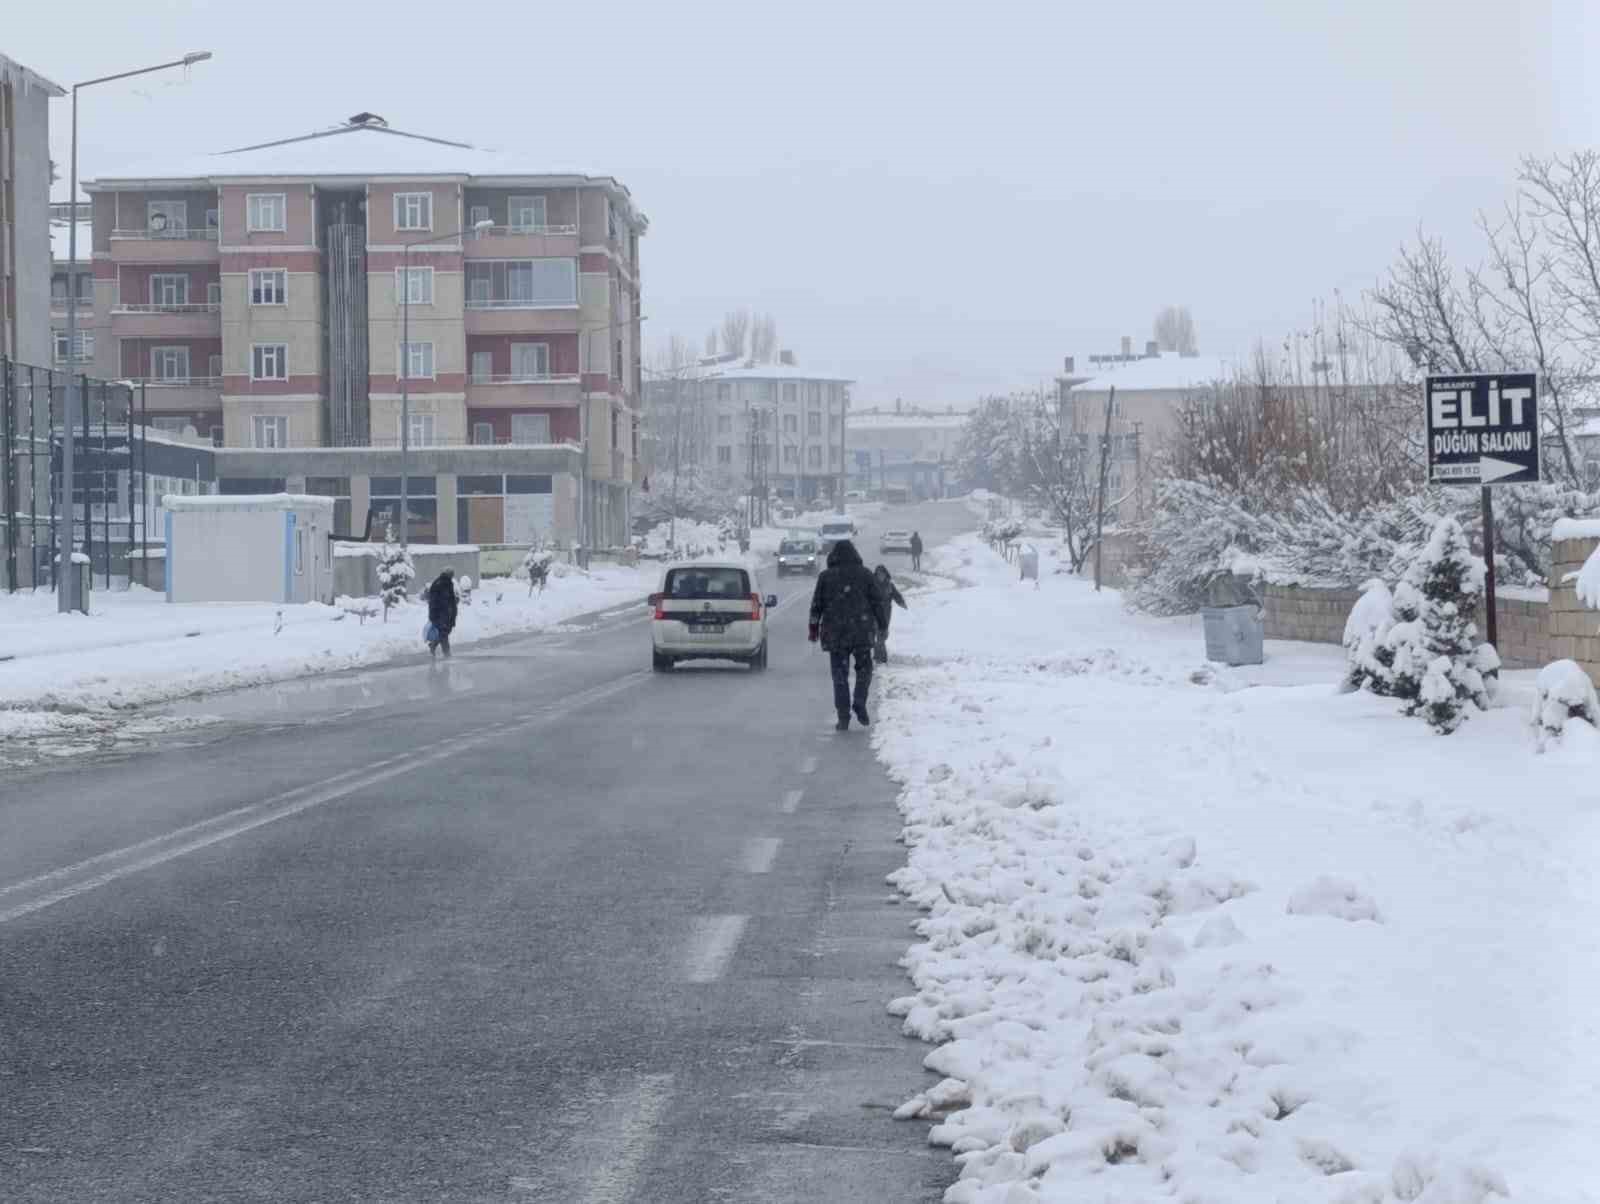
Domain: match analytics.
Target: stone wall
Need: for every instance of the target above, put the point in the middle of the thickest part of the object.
(1531, 633)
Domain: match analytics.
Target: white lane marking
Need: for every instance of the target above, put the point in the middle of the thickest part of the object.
(614, 1138)
(256, 815)
(759, 854)
(791, 800)
(809, 765)
(712, 944)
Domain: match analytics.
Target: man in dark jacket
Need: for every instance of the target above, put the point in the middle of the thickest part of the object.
(916, 551)
(441, 597)
(890, 593)
(847, 613)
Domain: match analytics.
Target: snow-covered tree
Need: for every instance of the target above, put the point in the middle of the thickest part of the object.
(1442, 651)
(536, 565)
(395, 573)
(1364, 631)
(1564, 692)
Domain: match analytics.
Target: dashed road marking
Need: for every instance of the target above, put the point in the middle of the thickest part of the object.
(613, 1139)
(712, 945)
(759, 854)
(809, 765)
(791, 800)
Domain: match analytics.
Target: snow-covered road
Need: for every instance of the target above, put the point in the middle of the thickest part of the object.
(1227, 935)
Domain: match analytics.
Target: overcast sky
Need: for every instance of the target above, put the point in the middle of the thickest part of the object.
(935, 201)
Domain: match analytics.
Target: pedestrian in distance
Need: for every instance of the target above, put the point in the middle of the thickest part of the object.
(441, 599)
(847, 613)
(916, 552)
(886, 588)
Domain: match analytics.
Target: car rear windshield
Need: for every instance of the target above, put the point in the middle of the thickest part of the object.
(836, 529)
(708, 583)
(797, 547)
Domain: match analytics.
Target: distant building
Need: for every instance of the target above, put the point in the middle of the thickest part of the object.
(24, 213)
(69, 289)
(905, 451)
(260, 297)
(775, 425)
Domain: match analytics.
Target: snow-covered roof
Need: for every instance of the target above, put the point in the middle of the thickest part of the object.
(246, 501)
(365, 152)
(15, 74)
(1167, 372)
(61, 232)
(745, 370)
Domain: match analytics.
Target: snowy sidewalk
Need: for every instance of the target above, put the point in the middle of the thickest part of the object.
(1204, 934)
(59, 671)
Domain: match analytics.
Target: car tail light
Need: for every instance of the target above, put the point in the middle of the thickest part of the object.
(755, 606)
(655, 600)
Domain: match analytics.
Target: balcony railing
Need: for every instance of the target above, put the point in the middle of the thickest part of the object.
(201, 307)
(518, 303)
(178, 382)
(490, 231)
(392, 442)
(199, 233)
(522, 378)
(62, 304)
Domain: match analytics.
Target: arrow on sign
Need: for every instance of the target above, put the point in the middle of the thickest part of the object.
(1491, 470)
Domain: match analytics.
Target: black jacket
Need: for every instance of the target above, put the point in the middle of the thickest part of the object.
(847, 605)
(916, 544)
(441, 597)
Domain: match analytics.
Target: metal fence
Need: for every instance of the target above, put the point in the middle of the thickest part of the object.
(108, 500)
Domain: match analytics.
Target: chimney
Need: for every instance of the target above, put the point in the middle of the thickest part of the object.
(786, 357)
(1068, 362)
(1127, 347)
(1152, 349)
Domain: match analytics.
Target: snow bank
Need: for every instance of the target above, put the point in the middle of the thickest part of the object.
(1183, 939)
(1575, 528)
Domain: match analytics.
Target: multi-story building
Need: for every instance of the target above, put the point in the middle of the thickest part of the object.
(71, 288)
(24, 212)
(263, 297)
(905, 451)
(774, 425)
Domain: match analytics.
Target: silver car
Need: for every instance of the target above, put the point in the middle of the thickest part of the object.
(797, 556)
(708, 610)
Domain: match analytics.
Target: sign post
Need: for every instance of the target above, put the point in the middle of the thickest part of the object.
(1483, 429)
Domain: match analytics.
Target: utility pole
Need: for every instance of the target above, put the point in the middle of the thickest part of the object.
(1100, 501)
(677, 444)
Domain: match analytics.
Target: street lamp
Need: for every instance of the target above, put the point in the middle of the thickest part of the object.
(404, 367)
(66, 578)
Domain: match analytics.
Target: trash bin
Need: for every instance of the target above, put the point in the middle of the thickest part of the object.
(1028, 562)
(1234, 634)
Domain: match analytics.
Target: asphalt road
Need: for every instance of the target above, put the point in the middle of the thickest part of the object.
(538, 925)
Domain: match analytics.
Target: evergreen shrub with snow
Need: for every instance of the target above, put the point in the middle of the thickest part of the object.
(395, 574)
(1368, 664)
(1565, 692)
(536, 567)
(1442, 651)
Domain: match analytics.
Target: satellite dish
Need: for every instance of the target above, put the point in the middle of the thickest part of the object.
(158, 222)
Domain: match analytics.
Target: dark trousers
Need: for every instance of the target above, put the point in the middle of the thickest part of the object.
(839, 661)
(916, 562)
(443, 643)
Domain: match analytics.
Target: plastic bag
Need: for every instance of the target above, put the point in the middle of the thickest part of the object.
(430, 633)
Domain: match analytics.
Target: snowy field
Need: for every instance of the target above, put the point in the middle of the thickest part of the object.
(1213, 935)
(60, 673)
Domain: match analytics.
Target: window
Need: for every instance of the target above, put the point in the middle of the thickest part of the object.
(814, 456)
(527, 429)
(814, 393)
(791, 424)
(529, 283)
(482, 367)
(791, 394)
(269, 286)
(708, 582)
(724, 391)
(264, 211)
(414, 286)
(169, 363)
(483, 434)
(476, 214)
(813, 424)
(616, 362)
(833, 423)
(413, 211)
(269, 361)
(270, 430)
(167, 288)
(215, 366)
(724, 424)
(167, 219)
(530, 361)
(611, 220)
(300, 550)
(527, 213)
(416, 360)
(213, 221)
(85, 346)
(422, 430)
(214, 293)
(789, 453)
(724, 455)
(833, 455)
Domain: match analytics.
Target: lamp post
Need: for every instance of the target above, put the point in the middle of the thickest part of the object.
(404, 367)
(66, 578)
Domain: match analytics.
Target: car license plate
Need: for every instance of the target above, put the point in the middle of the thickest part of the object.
(707, 629)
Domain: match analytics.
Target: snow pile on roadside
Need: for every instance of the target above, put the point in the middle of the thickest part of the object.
(1188, 940)
(135, 648)
(695, 540)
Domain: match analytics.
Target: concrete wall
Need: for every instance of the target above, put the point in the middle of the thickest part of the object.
(356, 568)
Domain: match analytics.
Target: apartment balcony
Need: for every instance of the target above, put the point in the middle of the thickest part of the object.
(522, 242)
(521, 317)
(392, 443)
(200, 321)
(521, 392)
(171, 245)
(179, 393)
(61, 306)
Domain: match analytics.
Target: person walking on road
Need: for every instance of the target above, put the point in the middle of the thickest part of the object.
(441, 598)
(886, 588)
(916, 552)
(847, 614)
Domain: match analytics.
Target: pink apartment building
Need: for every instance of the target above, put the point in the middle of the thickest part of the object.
(261, 295)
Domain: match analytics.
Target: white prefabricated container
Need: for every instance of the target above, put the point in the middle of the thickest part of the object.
(256, 548)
